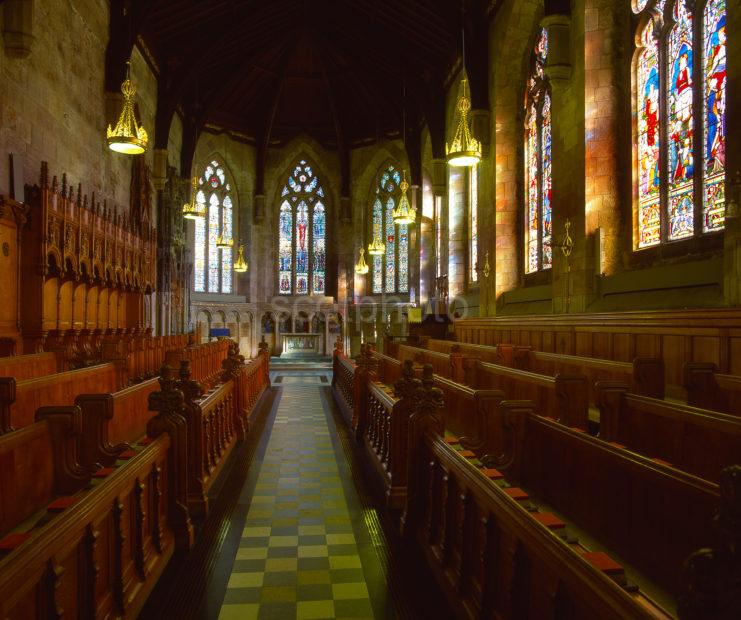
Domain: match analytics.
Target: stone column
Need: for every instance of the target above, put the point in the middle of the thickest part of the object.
(567, 112)
(602, 93)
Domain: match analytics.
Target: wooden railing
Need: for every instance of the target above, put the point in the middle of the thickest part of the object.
(101, 556)
(494, 553)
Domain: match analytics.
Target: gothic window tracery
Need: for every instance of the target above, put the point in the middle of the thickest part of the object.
(390, 272)
(212, 265)
(680, 62)
(302, 234)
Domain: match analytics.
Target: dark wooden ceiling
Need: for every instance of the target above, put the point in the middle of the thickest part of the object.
(271, 69)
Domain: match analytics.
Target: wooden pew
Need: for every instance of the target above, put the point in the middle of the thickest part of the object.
(644, 375)
(649, 513)
(445, 365)
(563, 397)
(494, 559)
(100, 557)
(112, 422)
(38, 465)
(675, 336)
(501, 354)
(19, 400)
(708, 389)
(694, 440)
(22, 367)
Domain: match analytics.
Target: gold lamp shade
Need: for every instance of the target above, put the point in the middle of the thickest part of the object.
(404, 213)
(192, 210)
(465, 150)
(377, 247)
(224, 243)
(240, 266)
(361, 267)
(128, 137)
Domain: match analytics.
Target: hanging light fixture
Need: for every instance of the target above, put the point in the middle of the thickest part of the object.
(377, 247)
(224, 243)
(128, 137)
(240, 266)
(361, 267)
(465, 150)
(404, 213)
(193, 210)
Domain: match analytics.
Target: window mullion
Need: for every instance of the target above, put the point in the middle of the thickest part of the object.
(664, 133)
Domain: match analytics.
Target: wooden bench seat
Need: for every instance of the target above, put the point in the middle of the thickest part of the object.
(495, 558)
(648, 512)
(113, 421)
(22, 367)
(38, 465)
(19, 400)
(102, 555)
(708, 389)
(694, 440)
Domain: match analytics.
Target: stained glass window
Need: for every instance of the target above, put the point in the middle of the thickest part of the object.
(302, 234)
(473, 223)
(668, 206)
(649, 140)
(714, 103)
(212, 265)
(390, 271)
(538, 162)
(320, 251)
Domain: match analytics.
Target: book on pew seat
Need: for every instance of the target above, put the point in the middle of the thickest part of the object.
(11, 541)
(61, 503)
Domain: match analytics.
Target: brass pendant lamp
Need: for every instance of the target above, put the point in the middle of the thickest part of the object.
(193, 210)
(361, 267)
(240, 266)
(128, 137)
(465, 150)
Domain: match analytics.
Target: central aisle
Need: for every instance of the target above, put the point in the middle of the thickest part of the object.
(299, 554)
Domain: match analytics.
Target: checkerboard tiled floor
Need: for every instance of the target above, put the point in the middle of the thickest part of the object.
(298, 556)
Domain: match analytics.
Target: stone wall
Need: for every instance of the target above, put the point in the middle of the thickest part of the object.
(53, 104)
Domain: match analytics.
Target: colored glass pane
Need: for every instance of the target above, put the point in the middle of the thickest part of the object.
(714, 108)
(474, 223)
(439, 235)
(285, 250)
(403, 269)
(320, 256)
(213, 251)
(377, 232)
(199, 266)
(302, 249)
(546, 183)
(390, 246)
(649, 141)
(531, 191)
(680, 124)
(226, 253)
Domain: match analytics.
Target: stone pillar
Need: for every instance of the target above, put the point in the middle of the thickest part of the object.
(259, 214)
(602, 93)
(569, 274)
(440, 194)
(18, 28)
(415, 243)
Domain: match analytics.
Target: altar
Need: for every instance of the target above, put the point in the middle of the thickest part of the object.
(299, 345)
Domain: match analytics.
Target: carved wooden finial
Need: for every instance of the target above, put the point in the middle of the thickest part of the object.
(55, 184)
(407, 385)
(429, 398)
(169, 399)
(263, 346)
(64, 185)
(79, 194)
(191, 389)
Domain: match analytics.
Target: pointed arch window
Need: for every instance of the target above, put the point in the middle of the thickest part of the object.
(679, 70)
(538, 162)
(390, 271)
(212, 265)
(302, 234)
